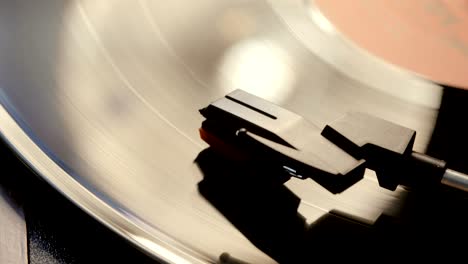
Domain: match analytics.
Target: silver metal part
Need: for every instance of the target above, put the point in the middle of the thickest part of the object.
(455, 179)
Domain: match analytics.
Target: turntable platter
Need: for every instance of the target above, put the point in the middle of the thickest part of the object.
(101, 99)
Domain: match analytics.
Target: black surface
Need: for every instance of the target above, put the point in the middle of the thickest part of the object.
(58, 231)
(450, 137)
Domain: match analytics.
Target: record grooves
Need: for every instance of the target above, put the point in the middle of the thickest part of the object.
(113, 89)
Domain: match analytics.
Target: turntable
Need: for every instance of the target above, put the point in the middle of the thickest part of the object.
(100, 100)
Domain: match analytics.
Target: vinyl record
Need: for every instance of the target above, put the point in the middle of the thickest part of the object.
(101, 99)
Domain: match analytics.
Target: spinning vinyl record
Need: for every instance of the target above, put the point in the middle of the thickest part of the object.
(101, 99)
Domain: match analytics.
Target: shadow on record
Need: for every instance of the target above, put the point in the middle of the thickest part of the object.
(264, 210)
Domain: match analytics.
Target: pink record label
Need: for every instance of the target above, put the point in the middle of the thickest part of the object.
(428, 37)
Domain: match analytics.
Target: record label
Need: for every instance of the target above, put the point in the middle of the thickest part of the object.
(428, 37)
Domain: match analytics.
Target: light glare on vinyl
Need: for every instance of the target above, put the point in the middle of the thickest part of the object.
(258, 67)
